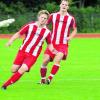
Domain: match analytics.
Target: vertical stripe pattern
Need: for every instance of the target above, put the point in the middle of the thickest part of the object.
(61, 27)
(34, 39)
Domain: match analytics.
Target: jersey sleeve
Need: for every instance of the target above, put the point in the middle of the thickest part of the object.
(50, 19)
(48, 38)
(24, 29)
(73, 23)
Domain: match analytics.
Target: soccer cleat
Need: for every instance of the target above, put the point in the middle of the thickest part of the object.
(40, 83)
(43, 81)
(48, 81)
(3, 87)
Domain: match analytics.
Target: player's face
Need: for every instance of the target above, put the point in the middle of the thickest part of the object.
(64, 6)
(42, 19)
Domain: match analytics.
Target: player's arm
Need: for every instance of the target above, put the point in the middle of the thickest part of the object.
(48, 40)
(74, 32)
(50, 45)
(51, 48)
(14, 37)
(22, 31)
(74, 29)
(50, 19)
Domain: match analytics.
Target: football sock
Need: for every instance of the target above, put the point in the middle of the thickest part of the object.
(43, 72)
(13, 79)
(54, 70)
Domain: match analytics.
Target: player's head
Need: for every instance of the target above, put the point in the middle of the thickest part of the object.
(64, 5)
(43, 16)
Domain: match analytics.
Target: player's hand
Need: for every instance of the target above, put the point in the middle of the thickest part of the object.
(52, 49)
(8, 44)
(55, 51)
(68, 38)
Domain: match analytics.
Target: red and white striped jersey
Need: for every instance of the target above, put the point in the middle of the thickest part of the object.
(34, 39)
(61, 27)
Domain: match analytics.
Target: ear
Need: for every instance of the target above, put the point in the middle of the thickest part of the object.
(68, 7)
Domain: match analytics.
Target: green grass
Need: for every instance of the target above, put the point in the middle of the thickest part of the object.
(77, 79)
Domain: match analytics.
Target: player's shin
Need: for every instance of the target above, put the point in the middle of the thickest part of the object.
(43, 72)
(54, 70)
(13, 79)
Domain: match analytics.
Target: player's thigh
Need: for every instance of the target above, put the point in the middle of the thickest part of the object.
(23, 68)
(28, 62)
(58, 57)
(15, 68)
(19, 58)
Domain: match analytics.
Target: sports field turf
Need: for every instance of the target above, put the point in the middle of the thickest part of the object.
(77, 79)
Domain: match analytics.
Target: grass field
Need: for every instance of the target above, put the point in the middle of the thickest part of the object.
(77, 79)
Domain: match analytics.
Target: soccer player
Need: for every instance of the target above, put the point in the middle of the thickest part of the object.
(62, 22)
(29, 51)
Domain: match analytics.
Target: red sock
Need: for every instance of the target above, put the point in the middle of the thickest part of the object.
(43, 72)
(13, 79)
(54, 70)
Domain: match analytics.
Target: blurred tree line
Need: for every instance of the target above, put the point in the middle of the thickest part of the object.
(86, 12)
(37, 3)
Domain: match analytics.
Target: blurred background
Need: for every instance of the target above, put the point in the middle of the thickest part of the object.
(86, 12)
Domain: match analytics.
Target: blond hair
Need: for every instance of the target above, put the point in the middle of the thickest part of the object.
(43, 12)
(65, 0)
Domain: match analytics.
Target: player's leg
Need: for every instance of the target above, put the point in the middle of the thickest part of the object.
(16, 65)
(16, 76)
(18, 61)
(27, 64)
(55, 68)
(15, 68)
(48, 56)
(43, 69)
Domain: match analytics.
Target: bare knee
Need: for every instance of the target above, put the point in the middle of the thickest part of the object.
(46, 60)
(56, 61)
(58, 58)
(14, 68)
(23, 69)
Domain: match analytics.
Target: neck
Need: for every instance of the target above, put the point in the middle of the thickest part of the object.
(63, 12)
(40, 25)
